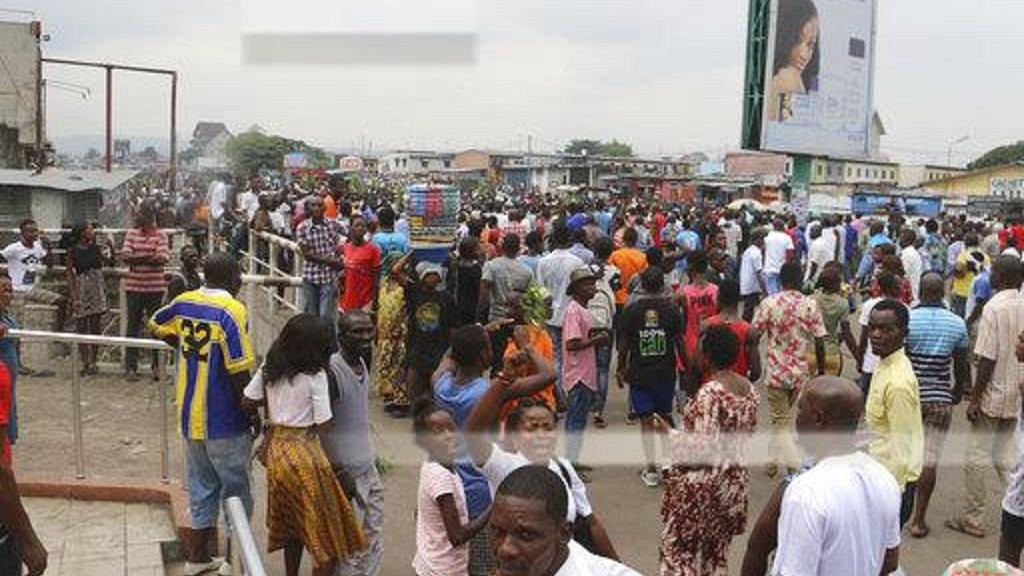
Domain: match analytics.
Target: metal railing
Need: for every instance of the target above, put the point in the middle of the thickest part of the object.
(291, 299)
(76, 387)
(244, 551)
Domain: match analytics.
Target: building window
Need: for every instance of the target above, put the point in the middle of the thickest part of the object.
(849, 171)
(820, 169)
(858, 172)
(424, 163)
(447, 163)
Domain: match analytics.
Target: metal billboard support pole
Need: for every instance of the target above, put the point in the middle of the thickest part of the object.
(108, 134)
(76, 415)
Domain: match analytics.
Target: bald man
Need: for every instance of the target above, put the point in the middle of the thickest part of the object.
(936, 342)
(819, 534)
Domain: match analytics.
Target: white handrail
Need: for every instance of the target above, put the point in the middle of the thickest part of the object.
(244, 551)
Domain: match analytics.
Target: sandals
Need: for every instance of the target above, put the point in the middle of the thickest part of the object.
(964, 527)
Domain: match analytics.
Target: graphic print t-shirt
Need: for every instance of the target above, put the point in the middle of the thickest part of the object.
(24, 264)
(429, 314)
(652, 328)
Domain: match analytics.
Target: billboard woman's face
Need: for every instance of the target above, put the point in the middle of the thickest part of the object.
(802, 52)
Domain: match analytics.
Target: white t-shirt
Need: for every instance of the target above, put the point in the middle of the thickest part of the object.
(553, 273)
(828, 236)
(825, 535)
(751, 264)
(913, 267)
(581, 562)
(819, 254)
(776, 244)
(248, 202)
(24, 264)
(502, 463)
(300, 402)
(870, 358)
(435, 555)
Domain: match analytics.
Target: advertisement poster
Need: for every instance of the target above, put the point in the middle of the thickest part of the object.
(820, 70)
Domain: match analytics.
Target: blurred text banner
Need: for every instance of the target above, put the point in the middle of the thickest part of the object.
(280, 32)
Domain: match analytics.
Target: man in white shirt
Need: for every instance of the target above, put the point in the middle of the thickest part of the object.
(818, 533)
(819, 254)
(753, 286)
(913, 266)
(248, 203)
(553, 273)
(529, 535)
(778, 249)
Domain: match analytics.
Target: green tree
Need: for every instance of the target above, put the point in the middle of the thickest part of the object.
(599, 148)
(998, 156)
(250, 152)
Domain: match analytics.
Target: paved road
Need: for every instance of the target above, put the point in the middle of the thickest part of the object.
(122, 420)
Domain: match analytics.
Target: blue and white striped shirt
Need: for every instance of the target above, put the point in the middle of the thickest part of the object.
(935, 333)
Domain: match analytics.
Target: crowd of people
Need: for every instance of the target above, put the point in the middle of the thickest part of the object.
(513, 342)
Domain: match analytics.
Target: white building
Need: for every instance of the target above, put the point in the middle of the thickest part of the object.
(414, 162)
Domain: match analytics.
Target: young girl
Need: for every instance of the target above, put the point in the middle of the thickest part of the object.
(704, 504)
(443, 528)
(699, 301)
(531, 438)
(306, 507)
(86, 288)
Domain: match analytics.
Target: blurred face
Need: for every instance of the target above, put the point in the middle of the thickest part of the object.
(189, 257)
(802, 52)
(884, 332)
(316, 208)
(431, 281)
(6, 293)
(88, 235)
(537, 437)
(30, 233)
(525, 542)
(439, 439)
(357, 335)
(586, 289)
(357, 231)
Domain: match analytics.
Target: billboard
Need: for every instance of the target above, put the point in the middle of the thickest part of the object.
(819, 74)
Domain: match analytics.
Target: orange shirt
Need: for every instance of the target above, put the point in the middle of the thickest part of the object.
(330, 207)
(517, 365)
(630, 262)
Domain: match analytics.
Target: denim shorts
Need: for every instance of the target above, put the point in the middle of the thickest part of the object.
(217, 470)
(655, 399)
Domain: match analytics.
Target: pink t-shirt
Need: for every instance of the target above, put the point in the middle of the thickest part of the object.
(435, 555)
(701, 304)
(578, 366)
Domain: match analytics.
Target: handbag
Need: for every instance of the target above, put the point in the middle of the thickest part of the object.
(581, 531)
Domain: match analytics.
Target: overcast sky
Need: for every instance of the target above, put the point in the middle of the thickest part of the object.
(663, 75)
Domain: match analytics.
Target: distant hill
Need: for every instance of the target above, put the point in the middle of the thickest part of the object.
(79, 144)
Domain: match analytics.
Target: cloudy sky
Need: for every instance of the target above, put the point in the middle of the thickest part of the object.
(663, 75)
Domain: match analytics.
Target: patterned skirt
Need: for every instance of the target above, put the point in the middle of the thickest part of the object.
(91, 293)
(305, 502)
(389, 358)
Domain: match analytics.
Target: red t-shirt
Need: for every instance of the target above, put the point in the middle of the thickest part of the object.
(740, 329)
(5, 412)
(362, 267)
(701, 304)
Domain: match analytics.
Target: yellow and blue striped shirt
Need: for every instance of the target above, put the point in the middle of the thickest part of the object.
(213, 344)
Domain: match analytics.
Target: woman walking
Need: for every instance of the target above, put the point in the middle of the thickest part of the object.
(705, 500)
(87, 293)
(835, 310)
(306, 507)
(392, 322)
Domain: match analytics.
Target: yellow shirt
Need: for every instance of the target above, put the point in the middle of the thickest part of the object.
(893, 415)
(962, 285)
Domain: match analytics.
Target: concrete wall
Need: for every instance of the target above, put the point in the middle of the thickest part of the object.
(19, 81)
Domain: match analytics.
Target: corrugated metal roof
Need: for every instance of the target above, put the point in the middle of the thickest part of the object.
(67, 180)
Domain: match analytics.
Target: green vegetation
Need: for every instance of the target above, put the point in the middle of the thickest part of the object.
(599, 148)
(251, 152)
(998, 156)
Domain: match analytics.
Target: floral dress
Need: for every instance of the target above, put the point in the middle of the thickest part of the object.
(389, 361)
(704, 503)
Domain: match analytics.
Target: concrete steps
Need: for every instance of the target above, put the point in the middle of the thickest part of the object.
(86, 538)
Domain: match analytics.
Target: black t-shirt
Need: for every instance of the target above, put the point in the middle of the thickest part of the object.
(85, 258)
(652, 328)
(429, 317)
(465, 282)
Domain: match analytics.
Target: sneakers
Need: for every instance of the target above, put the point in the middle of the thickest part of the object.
(650, 478)
(197, 568)
(225, 569)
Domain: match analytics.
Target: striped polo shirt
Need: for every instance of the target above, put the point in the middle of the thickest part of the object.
(144, 277)
(935, 333)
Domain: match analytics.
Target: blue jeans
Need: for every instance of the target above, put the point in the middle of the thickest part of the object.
(773, 282)
(322, 300)
(604, 360)
(580, 399)
(217, 470)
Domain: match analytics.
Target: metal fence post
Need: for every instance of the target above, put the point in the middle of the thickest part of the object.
(165, 446)
(76, 415)
(270, 290)
(252, 251)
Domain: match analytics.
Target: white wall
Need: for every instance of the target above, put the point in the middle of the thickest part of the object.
(18, 81)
